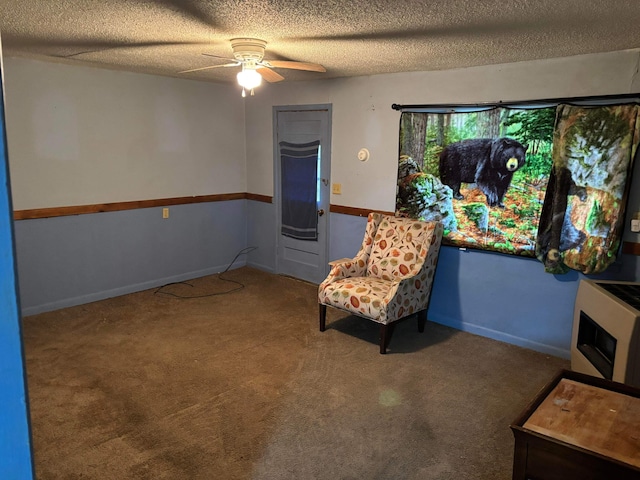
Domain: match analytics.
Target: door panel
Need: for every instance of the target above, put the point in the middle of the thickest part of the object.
(303, 258)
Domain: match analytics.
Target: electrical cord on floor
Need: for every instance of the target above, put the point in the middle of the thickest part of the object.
(239, 285)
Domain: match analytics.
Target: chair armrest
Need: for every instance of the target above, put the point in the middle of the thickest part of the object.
(341, 260)
(345, 268)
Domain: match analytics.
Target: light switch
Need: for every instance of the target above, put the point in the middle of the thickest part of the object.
(336, 189)
(635, 226)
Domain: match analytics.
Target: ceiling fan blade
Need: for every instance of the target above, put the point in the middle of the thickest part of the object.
(309, 67)
(269, 75)
(102, 46)
(58, 47)
(236, 64)
(218, 56)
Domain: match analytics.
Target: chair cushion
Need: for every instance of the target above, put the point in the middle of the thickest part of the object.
(361, 295)
(397, 247)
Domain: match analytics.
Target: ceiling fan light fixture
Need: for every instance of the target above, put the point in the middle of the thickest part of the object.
(248, 79)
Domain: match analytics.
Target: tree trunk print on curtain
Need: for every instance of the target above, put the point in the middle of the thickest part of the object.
(583, 213)
(490, 122)
(414, 132)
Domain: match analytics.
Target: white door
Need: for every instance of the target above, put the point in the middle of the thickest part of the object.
(302, 163)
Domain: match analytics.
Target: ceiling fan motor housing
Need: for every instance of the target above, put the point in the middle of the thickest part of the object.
(248, 49)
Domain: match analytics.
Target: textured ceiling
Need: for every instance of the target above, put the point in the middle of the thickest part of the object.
(348, 37)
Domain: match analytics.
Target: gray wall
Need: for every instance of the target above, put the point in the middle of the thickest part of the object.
(261, 233)
(83, 136)
(72, 260)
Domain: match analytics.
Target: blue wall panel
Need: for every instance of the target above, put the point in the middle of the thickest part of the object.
(261, 233)
(506, 298)
(15, 439)
(347, 233)
(72, 260)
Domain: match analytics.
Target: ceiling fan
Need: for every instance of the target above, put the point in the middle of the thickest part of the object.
(248, 53)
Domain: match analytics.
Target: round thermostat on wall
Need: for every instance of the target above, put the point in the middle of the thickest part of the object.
(363, 155)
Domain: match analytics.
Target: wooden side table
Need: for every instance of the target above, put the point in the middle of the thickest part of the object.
(579, 427)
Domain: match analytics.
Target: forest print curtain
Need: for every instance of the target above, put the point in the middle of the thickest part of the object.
(583, 213)
(546, 182)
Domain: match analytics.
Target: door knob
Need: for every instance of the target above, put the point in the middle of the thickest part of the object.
(320, 212)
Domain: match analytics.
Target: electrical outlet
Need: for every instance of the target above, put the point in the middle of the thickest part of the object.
(336, 189)
(165, 213)
(635, 225)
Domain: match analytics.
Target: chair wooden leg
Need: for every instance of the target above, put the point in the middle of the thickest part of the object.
(323, 316)
(422, 320)
(385, 335)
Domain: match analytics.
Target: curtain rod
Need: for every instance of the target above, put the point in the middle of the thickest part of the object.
(596, 100)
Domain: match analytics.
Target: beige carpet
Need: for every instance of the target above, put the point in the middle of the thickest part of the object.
(244, 386)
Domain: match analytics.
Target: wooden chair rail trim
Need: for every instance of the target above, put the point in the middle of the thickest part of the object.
(50, 212)
(120, 206)
(628, 248)
(260, 198)
(355, 211)
(631, 248)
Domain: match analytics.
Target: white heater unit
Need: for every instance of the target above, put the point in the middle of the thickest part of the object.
(605, 340)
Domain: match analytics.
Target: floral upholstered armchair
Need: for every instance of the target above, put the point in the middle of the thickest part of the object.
(391, 276)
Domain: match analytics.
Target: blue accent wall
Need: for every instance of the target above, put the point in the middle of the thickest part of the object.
(505, 298)
(15, 438)
(71, 260)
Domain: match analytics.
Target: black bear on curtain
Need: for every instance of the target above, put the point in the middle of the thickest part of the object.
(483, 174)
(488, 162)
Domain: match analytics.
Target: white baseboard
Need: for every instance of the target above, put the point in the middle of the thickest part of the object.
(136, 287)
(501, 336)
(260, 266)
